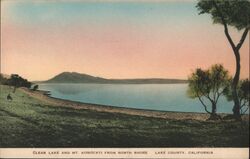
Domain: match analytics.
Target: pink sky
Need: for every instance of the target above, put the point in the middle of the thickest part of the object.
(132, 47)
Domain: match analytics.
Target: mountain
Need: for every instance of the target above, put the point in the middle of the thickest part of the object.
(74, 77)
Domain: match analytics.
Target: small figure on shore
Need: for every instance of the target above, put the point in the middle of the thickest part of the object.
(9, 98)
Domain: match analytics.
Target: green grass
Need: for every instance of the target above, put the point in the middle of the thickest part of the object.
(28, 122)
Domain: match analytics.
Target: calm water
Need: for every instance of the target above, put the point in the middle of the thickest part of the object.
(166, 97)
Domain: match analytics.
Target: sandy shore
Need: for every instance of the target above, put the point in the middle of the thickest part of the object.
(43, 96)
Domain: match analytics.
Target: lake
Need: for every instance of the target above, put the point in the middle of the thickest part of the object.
(165, 97)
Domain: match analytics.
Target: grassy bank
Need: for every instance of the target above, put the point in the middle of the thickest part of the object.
(29, 122)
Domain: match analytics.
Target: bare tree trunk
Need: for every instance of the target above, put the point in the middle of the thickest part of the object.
(14, 90)
(236, 108)
(213, 108)
(213, 115)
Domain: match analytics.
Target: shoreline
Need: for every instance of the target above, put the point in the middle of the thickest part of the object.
(49, 122)
(44, 96)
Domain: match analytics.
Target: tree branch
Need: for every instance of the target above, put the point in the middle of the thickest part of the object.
(243, 37)
(244, 104)
(225, 26)
(218, 95)
(204, 94)
(211, 100)
(214, 93)
(203, 105)
(244, 111)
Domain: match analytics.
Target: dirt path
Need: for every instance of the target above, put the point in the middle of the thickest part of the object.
(41, 95)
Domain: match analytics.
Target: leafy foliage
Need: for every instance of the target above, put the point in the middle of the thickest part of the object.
(199, 83)
(234, 12)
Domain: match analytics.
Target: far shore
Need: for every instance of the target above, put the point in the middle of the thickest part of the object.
(44, 96)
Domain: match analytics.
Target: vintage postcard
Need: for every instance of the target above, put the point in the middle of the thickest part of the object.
(124, 79)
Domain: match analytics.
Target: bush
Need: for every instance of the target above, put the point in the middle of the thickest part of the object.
(243, 92)
(208, 85)
(35, 87)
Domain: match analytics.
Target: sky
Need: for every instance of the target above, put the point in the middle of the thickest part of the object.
(113, 39)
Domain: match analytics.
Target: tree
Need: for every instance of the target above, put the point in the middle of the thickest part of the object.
(243, 93)
(208, 85)
(235, 13)
(13, 81)
(17, 81)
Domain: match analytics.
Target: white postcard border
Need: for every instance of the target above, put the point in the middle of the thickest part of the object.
(137, 153)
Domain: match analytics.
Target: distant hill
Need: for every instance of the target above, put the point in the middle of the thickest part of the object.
(74, 77)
